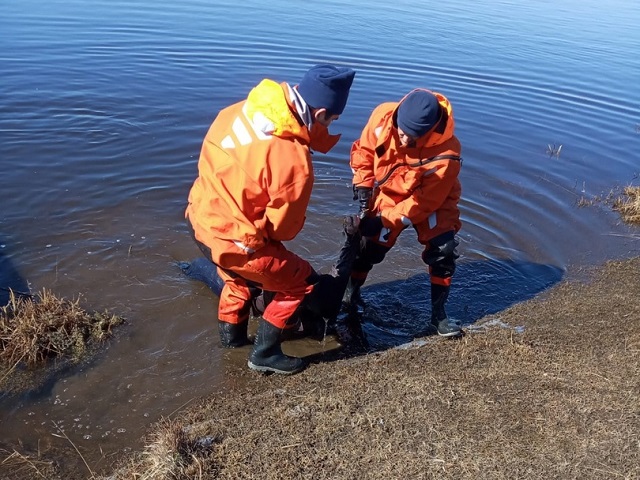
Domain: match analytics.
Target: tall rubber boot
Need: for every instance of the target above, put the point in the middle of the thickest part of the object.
(439, 296)
(233, 335)
(267, 354)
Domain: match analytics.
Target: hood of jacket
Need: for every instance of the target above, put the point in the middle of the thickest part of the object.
(443, 129)
(267, 107)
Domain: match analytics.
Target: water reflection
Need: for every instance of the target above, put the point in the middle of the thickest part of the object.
(105, 106)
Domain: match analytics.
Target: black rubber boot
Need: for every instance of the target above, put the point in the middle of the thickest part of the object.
(233, 335)
(267, 354)
(439, 296)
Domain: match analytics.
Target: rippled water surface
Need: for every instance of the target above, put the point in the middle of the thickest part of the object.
(104, 106)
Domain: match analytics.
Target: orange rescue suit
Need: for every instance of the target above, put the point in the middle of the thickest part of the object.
(252, 192)
(415, 185)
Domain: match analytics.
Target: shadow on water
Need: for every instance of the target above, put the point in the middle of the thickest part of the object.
(10, 278)
(398, 312)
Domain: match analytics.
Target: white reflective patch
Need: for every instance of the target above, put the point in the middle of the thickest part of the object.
(241, 132)
(405, 221)
(227, 142)
(433, 221)
(384, 234)
(244, 247)
(377, 131)
(262, 126)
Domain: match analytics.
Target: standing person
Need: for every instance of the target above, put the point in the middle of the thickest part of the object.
(406, 165)
(252, 192)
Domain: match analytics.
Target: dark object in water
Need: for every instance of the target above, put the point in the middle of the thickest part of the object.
(203, 270)
(318, 314)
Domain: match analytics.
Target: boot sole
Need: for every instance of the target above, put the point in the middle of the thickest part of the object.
(265, 369)
(451, 334)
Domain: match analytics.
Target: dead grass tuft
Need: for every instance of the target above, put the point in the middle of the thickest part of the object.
(171, 453)
(27, 467)
(36, 329)
(625, 201)
(628, 204)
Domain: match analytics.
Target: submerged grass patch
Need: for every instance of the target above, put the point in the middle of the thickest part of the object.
(625, 201)
(27, 466)
(628, 204)
(35, 329)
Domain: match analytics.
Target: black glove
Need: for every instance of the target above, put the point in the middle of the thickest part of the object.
(363, 195)
(370, 226)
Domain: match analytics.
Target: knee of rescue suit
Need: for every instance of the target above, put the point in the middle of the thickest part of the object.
(440, 255)
(280, 311)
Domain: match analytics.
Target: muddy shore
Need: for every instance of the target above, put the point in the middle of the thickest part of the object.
(546, 388)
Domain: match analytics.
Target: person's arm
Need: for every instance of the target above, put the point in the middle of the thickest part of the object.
(361, 160)
(433, 190)
(290, 183)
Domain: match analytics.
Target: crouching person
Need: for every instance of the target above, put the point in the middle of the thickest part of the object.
(254, 183)
(406, 166)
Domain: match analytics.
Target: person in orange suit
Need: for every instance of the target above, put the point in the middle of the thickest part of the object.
(254, 183)
(406, 165)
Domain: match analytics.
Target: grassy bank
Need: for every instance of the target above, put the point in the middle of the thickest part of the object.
(561, 400)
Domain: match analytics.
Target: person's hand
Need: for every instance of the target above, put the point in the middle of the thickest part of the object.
(371, 226)
(363, 196)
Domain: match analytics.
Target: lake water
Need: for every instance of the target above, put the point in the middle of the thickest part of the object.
(104, 106)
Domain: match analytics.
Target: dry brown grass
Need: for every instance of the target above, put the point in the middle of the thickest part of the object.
(25, 466)
(626, 201)
(36, 329)
(561, 400)
(171, 453)
(628, 204)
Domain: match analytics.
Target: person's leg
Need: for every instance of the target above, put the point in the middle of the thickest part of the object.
(371, 253)
(236, 297)
(437, 234)
(440, 255)
(289, 278)
(233, 310)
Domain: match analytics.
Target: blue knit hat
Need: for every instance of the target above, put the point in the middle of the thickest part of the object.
(418, 113)
(327, 86)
